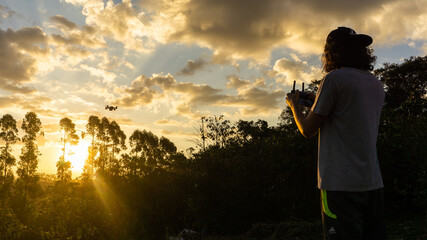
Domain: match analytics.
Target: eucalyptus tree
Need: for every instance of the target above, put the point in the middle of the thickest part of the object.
(104, 139)
(69, 136)
(9, 134)
(219, 130)
(147, 145)
(107, 140)
(27, 166)
(167, 151)
(149, 152)
(91, 130)
(117, 143)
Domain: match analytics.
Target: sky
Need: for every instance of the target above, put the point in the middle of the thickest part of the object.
(167, 63)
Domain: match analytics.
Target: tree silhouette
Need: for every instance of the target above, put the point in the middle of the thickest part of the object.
(91, 130)
(402, 138)
(9, 134)
(104, 140)
(69, 136)
(27, 166)
(107, 140)
(145, 148)
(218, 130)
(118, 143)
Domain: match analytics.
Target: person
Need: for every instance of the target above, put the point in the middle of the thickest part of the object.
(345, 115)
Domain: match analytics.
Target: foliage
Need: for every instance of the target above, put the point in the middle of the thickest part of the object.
(403, 133)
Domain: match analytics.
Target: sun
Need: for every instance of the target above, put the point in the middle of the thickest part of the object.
(77, 155)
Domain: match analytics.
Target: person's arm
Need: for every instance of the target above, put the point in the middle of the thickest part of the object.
(308, 125)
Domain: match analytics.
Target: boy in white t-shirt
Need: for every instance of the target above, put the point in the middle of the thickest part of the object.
(346, 115)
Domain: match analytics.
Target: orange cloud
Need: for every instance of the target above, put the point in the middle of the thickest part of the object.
(190, 98)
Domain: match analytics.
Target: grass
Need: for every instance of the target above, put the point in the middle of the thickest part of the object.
(406, 227)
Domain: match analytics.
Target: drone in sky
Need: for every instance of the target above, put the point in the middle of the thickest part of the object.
(111, 108)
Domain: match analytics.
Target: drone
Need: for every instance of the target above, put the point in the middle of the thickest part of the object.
(111, 108)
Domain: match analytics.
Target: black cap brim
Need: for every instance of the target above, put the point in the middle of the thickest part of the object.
(361, 39)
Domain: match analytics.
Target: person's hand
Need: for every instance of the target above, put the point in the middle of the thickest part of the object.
(292, 99)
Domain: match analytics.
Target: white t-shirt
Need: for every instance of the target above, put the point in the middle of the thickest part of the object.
(352, 101)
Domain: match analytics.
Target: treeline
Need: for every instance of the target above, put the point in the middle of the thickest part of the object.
(239, 173)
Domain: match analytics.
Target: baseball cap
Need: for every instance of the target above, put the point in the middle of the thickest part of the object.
(348, 35)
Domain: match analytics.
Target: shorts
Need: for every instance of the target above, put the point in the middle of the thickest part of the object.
(353, 215)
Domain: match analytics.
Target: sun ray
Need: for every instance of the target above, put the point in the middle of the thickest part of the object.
(77, 155)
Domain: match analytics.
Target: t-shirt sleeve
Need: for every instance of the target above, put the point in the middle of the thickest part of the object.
(326, 97)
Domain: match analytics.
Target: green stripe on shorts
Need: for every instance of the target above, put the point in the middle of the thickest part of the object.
(325, 205)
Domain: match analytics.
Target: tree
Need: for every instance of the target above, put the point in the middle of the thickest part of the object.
(107, 140)
(145, 148)
(118, 143)
(91, 130)
(27, 166)
(149, 152)
(218, 130)
(69, 136)
(9, 134)
(104, 139)
(402, 136)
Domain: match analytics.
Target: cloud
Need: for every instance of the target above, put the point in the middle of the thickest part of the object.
(235, 82)
(25, 102)
(143, 90)
(179, 133)
(234, 29)
(287, 71)
(120, 22)
(68, 25)
(5, 12)
(105, 76)
(424, 48)
(256, 101)
(189, 99)
(260, 82)
(19, 51)
(170, 122)
(72, 36)
(51, 128)
(397, 21)
(192, 66)
(250, 29)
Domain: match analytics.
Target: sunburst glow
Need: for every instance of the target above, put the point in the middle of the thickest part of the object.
(77, 155)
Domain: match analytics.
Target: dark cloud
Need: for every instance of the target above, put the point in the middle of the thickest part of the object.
(17, 63)
(79, 39)
(342, 9)
(250, 29)
(192, 66)
(63, 22)
(234, 27)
